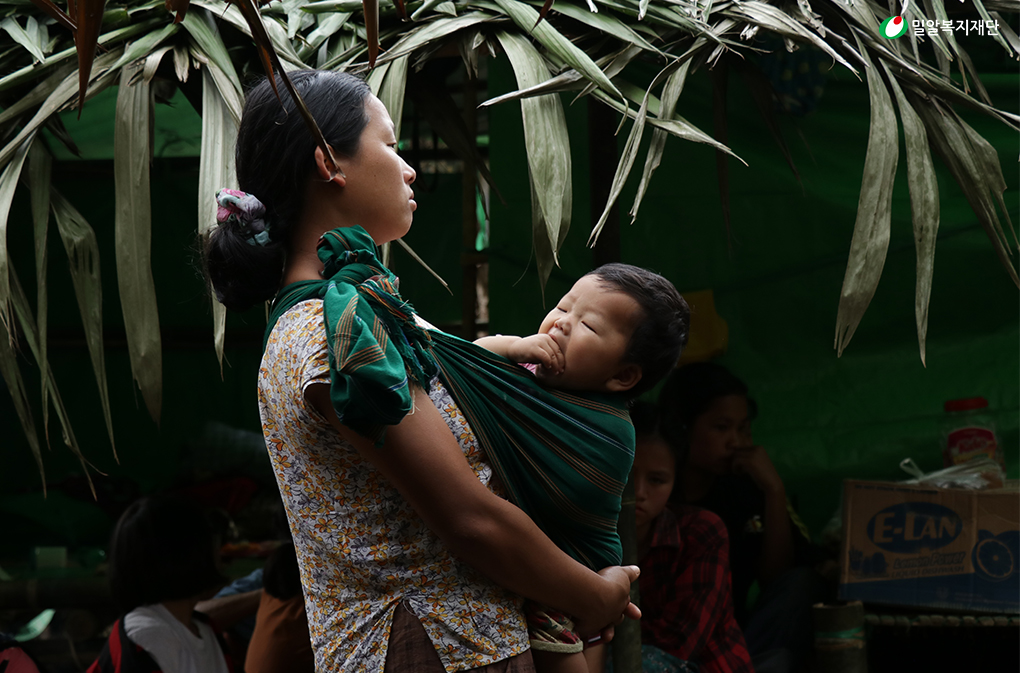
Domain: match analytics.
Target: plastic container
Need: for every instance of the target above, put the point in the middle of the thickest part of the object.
(969, 432)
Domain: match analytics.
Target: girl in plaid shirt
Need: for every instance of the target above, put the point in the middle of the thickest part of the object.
(687, 621)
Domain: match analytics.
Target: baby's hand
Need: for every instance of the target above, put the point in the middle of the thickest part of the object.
(539, 349)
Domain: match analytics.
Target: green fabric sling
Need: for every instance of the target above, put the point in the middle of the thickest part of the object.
(563, 458)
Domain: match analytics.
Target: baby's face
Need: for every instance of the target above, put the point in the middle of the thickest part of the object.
(592, 326)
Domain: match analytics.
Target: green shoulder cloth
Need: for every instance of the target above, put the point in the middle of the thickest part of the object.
(375, 347)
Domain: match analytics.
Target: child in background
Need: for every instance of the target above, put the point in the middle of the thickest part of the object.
(281, 641)
(707, 410)
(619, 329)
(687, 621)
(162, 563)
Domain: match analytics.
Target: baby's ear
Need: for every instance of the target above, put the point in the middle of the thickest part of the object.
(625, 379)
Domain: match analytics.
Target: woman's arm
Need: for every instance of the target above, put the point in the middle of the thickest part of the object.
(225, 611)
(427, 466)
(777, 543)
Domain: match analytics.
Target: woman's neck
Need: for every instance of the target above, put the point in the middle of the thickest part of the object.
(319, 214)
(697, 483)
(302, 257)
(181, 609)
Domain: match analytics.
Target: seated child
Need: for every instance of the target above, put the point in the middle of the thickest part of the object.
(162, 563)
(687, 615)
(560, 440)
(619, 329)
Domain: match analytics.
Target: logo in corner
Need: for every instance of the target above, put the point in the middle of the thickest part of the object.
(893, 27)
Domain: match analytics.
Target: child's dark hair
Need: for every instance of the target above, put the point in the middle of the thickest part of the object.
(162, 549)
(661, 334)
(274, 157)
(689, 392)
(281, 577)
(647, 420)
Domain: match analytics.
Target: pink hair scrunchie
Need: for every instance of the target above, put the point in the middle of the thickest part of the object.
(245, 211)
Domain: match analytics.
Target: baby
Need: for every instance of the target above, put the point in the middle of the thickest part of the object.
(619, 329)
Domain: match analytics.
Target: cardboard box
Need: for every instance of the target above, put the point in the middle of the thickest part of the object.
(930, 547)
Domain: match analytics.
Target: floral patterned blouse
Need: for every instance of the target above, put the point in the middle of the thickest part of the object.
(361, 548)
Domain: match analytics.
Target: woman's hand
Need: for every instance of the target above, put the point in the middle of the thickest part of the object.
(754, 461)
(777, 543)
(615, 595)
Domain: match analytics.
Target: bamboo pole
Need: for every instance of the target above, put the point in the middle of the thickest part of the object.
(469, 217)
(602, 159)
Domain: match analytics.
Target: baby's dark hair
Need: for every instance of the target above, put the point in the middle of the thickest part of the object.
(274, 157)
(661, 334)
(162, 549)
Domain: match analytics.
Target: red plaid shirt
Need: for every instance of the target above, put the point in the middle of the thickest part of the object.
(686, 595)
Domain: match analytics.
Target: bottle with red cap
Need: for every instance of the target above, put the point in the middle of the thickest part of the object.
(969, 432)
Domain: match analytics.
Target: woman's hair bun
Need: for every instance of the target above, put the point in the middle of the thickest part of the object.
(239, 271)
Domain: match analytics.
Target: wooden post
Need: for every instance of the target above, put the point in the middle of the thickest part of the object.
(602, 158)
(469, 219)
(627, 642)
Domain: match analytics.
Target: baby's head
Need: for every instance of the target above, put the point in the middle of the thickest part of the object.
(621, 329)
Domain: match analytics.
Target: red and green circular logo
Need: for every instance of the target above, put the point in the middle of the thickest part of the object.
(893, 27)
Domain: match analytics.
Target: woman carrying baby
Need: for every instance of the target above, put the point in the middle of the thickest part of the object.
(409, 560)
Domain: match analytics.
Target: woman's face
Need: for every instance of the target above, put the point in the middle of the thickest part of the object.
(718, 432)
(654, 472)
(377, 187)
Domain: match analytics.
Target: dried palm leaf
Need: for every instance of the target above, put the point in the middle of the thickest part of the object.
(83, 253)
(8, 185)
(526, 19)
(372, 29)
(870, 241)
(39, 174)
(16, 387)
(11, 26)
(133, 233)
(24, 314)
(924, 201)
(58, 98)
(107, 40)
(177, 7)
(57, 14)
(215, 171)
(548, 148)
(89, 20)
(667, 108)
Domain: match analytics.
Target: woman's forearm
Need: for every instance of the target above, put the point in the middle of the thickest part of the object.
(777, 542)
(226, 611)
(502, 542)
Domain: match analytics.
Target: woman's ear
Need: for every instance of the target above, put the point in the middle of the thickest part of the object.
(625, 379)
(326, 170)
